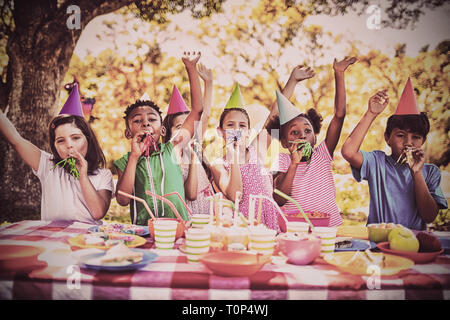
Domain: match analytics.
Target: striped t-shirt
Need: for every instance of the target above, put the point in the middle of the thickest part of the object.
(313, 186)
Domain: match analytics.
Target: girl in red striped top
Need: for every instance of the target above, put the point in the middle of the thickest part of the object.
(310, 181)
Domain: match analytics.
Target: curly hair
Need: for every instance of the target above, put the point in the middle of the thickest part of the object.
(142, 103)
(311, 115)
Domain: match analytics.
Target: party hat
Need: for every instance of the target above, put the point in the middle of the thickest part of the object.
(145, 97)
(407, 103)
(176, 103)
(286, 109)
(73, 103)
(235, 100)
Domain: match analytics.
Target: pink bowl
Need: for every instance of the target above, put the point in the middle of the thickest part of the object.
(294, 216)
(302, 251)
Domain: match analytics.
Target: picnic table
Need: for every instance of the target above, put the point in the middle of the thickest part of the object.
(55, 275)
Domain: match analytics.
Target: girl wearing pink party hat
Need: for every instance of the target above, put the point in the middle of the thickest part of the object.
(75, 183)
(403, 188)
(196, 173)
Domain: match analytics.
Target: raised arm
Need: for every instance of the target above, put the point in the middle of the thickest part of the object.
(299, 73)
(26, 150)
(207, 77)
(335, 127)
(186, 132)
(350, 149)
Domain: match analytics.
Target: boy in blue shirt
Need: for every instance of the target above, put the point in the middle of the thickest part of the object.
(404, 192)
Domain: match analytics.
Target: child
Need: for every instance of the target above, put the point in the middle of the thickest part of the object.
(310, 181)
(86, 197)
(157, 171)
(243, 168)
(404, 193)
(197, 185)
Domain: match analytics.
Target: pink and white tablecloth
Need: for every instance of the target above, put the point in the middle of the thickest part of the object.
(170, 277)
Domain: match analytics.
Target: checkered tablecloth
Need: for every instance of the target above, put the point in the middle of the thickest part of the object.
(170, 276)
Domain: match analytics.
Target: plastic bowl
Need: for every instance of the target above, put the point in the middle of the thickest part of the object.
(417, 257)
(180, 228)
(234, 264)
(301, 251)
(295, 216)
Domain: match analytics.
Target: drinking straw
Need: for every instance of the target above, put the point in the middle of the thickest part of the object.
(141, 201)
(170, 204)
(211, 209)
(280, 212)
(182, 201)
(251, 209)
(236, 208)
(258, 221)
(285, 196)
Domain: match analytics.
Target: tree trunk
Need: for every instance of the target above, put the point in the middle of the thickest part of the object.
(39, 51)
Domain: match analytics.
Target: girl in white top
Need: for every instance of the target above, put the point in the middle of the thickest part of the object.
(85, 198)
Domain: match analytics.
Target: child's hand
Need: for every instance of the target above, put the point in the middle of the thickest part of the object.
(378, 102)
(418, 160)
(301, 72)
(205, 73)
(296, 155)
(137, 143)
(190, 59)
(342, 65)
(80, 162)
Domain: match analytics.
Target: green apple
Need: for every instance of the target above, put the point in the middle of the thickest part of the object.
(403, 239)
(395, 231)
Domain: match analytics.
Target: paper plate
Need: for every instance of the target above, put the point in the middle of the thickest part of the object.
(79, 242)
(20, 257)
(234, 264)
(360, 245)
(417, 257)
(90, 261)
(393, 264)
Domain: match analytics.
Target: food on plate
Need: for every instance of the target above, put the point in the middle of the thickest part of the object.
(107, 239)
(362, 260)
(121, 228)
(119, 253)
(403, 239)
(312, 215)
(343, 242)
(359, 232)
(428, 242)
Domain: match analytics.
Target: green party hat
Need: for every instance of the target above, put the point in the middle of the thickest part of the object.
(235, 100)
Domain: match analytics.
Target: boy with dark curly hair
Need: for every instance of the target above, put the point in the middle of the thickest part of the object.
(151, 165)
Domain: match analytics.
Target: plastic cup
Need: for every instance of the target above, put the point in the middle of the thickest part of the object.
(200, 220)
(297, 227)
(262, 240)
(328, 239)
(165, 231)
(197, 243)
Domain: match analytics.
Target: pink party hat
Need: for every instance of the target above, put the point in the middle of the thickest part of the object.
(73, 103)
(407, 103)
(176, 103)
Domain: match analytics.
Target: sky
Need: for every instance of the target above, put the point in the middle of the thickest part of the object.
(432, 28)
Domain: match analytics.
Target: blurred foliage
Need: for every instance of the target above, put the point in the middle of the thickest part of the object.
(257, 46)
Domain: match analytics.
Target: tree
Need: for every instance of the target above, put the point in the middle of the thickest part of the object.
(39, 48)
